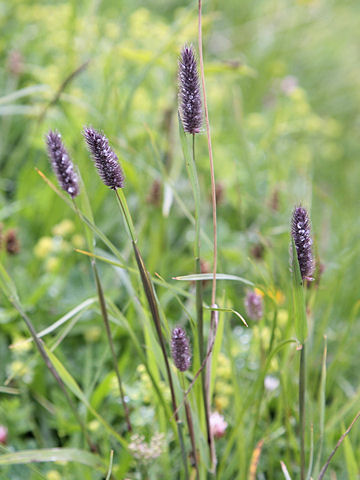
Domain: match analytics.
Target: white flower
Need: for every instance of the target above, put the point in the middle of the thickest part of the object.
(271, 383)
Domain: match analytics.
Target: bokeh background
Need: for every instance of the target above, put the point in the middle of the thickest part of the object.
(283, 90)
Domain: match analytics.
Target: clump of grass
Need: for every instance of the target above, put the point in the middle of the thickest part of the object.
(276, 142)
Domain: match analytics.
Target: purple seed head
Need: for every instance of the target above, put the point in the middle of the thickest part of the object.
(180, 349)
(254, 305)
(104, 158)
(62, 164)
(189, 92)
(300, 231)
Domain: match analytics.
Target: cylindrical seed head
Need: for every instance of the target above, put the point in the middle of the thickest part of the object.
(104, 157)
(180, 349)
(189, 92)
(301, 233)
(62, 164)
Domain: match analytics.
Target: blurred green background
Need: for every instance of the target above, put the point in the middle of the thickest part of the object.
(283, 90)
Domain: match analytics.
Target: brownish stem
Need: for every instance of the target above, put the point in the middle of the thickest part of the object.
(192, 437)
(212, 172)
(341, 439)
(213, 199)
(111, 343)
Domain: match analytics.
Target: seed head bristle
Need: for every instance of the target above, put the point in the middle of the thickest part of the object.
(189, 92)
(104, 157)
(62, 164)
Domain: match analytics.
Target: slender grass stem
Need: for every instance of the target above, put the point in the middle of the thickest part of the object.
(192, 171)
(198, 285)
(105, 317)
(190, 428)
(213, 198)
(126, 214)
(322, 400)
(273, 331)
(152, 302)
(212, 172)
(111, 343)
(302, 387)
(180, 427)
(341, 439)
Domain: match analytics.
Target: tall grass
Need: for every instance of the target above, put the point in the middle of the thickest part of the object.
(282, 92)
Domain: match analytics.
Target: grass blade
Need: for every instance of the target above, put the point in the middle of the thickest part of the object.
(322, 399)
(53, 455)
(71, 383)
(208, 276)
(110, 465)
(285, 471)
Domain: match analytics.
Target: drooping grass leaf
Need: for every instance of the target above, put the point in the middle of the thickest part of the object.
(53, 455)
(208, 276)
(350, 459)
(71, 383)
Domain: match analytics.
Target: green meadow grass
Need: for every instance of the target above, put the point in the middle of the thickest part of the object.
(283, 95)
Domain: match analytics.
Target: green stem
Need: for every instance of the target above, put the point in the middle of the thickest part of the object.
(302, 386)
(273, 331)
(182, 447)
(191, 167)
(213, 201)
(152, 302)
(105, 317)
(190, 427)
(126, 213)
(111, 343)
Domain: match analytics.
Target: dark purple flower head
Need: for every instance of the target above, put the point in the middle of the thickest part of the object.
(105, 158)
(300, 231)
(61, 164)
(254, 305)
(189, 92)
(180, 349)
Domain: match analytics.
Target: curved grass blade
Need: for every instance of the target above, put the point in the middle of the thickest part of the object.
(285, 471)
(249, 401)
(23, 92)
(158, 280)
(108, 476)
(71, 383)
(208, 276)
(53, 455)
(79, 308)
(340, 441)
(84, 218)
(9, 390)
(231, 310)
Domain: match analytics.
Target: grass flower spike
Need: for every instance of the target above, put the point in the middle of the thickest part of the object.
(61, 164)
(254, 305)
(189, 92)
(180, 349)
(105, 158)
(300, 231)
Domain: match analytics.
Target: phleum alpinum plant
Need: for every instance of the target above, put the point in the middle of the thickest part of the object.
(157, 331)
